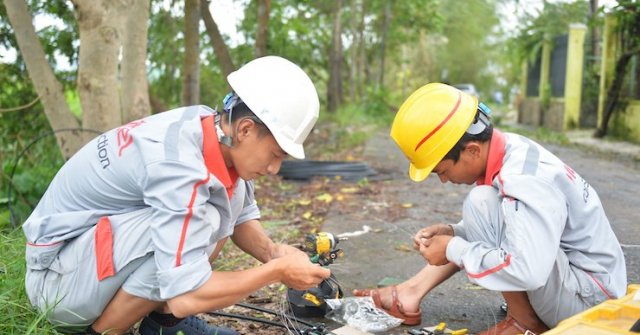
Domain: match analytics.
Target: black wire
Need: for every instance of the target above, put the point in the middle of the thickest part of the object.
(249, 318)
(270, 311)
(12, 216)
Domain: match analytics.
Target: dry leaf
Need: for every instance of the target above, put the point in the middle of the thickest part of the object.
(326, 197)
(349, 190)
(403, 248)
(304, 202)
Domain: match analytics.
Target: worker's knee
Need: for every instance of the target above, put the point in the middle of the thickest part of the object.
(482, 214)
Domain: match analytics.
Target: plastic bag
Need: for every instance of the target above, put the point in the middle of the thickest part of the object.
(361, 313)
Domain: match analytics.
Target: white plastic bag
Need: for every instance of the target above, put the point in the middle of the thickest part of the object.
(361, 313)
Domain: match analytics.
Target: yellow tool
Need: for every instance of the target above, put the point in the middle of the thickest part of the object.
(321, 248)
(441, 329)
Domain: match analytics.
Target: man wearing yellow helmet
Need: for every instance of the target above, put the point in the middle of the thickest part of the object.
(532, 229)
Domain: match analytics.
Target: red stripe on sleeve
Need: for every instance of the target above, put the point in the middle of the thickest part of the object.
(600, 285)
(490, 271)
(188, 218)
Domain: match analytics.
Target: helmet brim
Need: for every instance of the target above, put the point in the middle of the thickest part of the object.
(294, 150)
(416, 174)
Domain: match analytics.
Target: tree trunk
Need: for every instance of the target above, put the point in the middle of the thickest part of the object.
(100, 25)
(383, 42)
(613, 94)
(363, 55)
(191, 66)
(49, 89)
(353, 50)
(135, 88)
(262, 31)
(219, 47)
(595, 33)
(335, 61)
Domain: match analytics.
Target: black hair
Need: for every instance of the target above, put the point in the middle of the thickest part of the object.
(484, 136)
(242, 111)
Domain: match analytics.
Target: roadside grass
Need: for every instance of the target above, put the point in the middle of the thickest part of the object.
(353, 124)
(16, 314)
(539, 134)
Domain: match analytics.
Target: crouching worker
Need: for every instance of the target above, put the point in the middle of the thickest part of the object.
(533, 229)
(130, 225)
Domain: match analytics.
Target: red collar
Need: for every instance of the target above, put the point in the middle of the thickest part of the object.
(496, 156)
(213, 156)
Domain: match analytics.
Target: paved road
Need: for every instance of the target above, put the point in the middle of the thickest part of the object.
(374, 256)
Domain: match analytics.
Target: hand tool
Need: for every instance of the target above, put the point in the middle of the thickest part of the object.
(321, 248)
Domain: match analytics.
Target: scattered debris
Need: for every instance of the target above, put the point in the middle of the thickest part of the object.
(365, 229)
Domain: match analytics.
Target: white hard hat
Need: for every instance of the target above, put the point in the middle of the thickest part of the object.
(282, 96)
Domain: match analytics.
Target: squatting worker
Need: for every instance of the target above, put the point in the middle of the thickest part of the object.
(532, 229)
(130, 225)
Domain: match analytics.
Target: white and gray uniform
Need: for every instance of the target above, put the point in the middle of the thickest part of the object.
(539, 228)
(140, 207)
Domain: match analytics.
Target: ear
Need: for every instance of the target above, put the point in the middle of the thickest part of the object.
(245, 128)
(474, 149)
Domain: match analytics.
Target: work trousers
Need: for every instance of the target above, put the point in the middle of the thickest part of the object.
(568, 290)
(69, 291)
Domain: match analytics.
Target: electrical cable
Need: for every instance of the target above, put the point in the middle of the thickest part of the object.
(307, 169)
(12, 217)
(248, 318)
(270, 311)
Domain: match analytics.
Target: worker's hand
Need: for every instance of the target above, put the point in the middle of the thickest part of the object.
(280, 250)
(434, 249)
(429, 232)
(298, 272)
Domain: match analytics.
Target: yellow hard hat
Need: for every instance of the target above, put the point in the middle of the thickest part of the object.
(429, 123)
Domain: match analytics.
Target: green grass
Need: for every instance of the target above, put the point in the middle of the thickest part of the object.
(355, 123)
(16, 314)
(540, 134)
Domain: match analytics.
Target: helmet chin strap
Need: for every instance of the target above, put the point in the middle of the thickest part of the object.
(230, 101)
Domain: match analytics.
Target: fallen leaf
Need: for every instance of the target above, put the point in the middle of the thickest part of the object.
(349, 190)
(326, 197)
(339, 197)
(403, 248)
(407, 205)
(337, 177)
(307, 215)
(304, 202)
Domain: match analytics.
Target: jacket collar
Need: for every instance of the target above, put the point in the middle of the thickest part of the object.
(213, 156)
(495, 160)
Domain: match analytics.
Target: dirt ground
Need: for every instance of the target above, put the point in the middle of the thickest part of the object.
(395, 208)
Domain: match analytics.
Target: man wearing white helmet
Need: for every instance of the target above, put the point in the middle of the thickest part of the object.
(130, 225)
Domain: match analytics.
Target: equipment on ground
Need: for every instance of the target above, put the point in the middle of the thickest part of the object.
(321, 248)
(440, 329)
